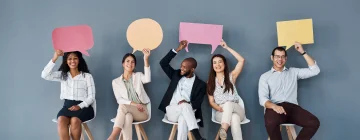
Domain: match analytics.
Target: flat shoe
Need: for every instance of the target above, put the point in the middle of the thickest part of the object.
(223, 134)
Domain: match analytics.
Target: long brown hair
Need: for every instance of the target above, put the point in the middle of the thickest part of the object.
(212, 75)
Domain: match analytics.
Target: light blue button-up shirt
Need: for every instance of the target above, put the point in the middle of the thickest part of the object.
(281, 86)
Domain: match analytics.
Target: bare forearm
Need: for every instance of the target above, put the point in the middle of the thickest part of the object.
(146, 62)
(310, 61)
(215, 106)
(235, 54)
(269, 104)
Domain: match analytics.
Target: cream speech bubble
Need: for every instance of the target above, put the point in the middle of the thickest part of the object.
(144, 33)
(289, 32)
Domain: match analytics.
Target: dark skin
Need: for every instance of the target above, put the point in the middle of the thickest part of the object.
(187, 68)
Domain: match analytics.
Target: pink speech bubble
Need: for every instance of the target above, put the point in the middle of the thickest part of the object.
(201, 34)
(73, 38)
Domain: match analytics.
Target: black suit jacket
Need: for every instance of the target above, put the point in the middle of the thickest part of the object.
(198, 90)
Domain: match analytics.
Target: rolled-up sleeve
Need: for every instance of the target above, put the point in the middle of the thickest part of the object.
(303, 73)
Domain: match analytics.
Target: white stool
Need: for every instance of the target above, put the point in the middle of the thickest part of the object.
(213, 117)
(290, 129)
(138, 127)
(84, 126)
(173, 130)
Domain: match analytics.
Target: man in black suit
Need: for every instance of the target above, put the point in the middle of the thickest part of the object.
(183, 98)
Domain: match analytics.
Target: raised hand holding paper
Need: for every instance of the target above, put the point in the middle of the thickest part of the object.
(201, 34)
(293, 31)
(144, 33)
(73, 38)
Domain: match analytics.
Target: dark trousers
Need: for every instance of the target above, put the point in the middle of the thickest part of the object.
(295, 115)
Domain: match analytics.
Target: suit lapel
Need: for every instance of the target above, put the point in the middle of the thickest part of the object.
(122, 86)
(193, 90)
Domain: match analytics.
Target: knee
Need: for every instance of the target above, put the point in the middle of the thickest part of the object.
(314, 122)
(75, 122)
(186, 107)
(63, 120)
(122, 108)
(128, 117)
(270, 122)
(235, 119)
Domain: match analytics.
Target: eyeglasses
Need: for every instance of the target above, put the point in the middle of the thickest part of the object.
(278, 57)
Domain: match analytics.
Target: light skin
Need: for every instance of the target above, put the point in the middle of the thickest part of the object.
(186, 67)
(219, 66)
(74, 122)
(279, 59)
(129, 66)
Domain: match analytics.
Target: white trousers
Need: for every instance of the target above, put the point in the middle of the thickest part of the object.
(184, 115)
(232, 115)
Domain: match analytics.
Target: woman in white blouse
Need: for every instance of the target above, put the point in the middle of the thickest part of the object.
(131, 96)
(222, 93)
(77, 89)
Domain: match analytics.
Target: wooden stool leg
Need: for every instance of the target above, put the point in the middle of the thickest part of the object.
(293, 132)
(173, 132)
(190, 136)
(82, 133)
(88, 132)
(143, 133)
(69, 131)
(137, 127)
(218, 135)
(289, 133)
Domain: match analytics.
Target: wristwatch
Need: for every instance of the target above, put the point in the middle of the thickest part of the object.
(303, 53)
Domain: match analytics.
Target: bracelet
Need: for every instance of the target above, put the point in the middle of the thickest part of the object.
(303, 53)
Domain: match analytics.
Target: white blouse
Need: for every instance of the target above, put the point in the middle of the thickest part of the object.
(78, 88)
(221, 97)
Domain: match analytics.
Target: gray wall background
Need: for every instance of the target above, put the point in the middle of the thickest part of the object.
(28, 103)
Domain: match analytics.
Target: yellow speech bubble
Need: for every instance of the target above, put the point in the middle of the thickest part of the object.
(289, 32)
(144, 33)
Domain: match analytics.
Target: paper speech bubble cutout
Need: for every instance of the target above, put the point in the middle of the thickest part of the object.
(201, 34)
(73, 38)
(144, 33)
(295, 30)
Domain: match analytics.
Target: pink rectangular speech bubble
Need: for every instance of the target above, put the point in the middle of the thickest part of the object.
(201, 34)
(73, 38)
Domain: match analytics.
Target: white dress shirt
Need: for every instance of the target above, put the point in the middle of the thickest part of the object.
(281, 86)
(78, 88)
(183, 89)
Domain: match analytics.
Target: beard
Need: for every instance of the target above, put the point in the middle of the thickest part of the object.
(187, 74)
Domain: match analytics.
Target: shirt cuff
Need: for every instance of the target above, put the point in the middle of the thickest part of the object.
(82, 105)
(51, 63)
(174, 50)
(263, 103)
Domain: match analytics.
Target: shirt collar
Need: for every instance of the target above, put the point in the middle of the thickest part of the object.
(274, 70)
